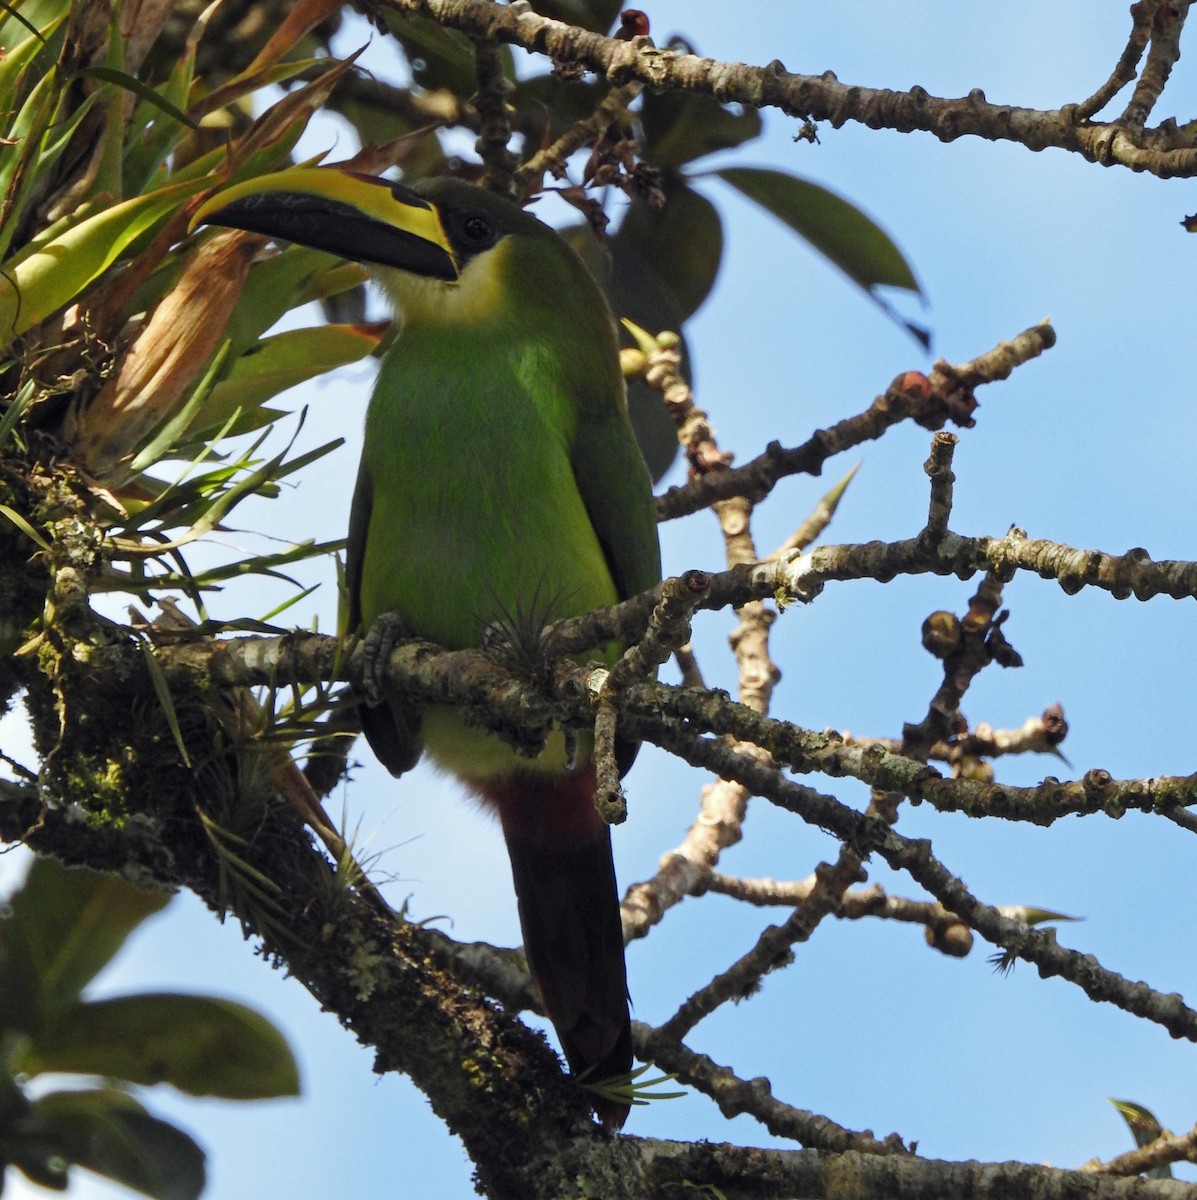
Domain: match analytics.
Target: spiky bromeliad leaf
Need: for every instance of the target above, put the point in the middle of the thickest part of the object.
(53, 274)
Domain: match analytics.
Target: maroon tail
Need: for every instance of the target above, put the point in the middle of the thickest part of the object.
(560, 851)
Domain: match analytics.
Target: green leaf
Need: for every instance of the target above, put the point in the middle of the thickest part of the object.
(833, 226)
(439, 57)
(277, 363)
(62, 927)
(680, 243)
(664, 264)
(13, 68)
(106, 1131)
(16, 409)
(635, 291)
(149, 142)
(58, 271)
(843, 234)
(16, 163)
(597, 15)
(22, 523)
(203, 1045)
(134, 85)
(33, 14)
(275, 286)
(682, 126)
(166, 435)
(165, 700)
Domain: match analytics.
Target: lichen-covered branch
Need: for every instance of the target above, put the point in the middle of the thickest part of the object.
(1166, 151)
(736, 1096)
(915, 858)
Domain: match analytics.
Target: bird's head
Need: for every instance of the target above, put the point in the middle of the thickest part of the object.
(442, 249)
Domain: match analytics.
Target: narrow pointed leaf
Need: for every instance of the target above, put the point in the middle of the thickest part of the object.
(13, 13)
(53, 276)
(132, 84)
(17, 162)
(833, 226)
(14, 65)
(275, 286)
(280, 362)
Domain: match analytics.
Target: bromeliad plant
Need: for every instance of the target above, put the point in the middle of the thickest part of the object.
(136, 366)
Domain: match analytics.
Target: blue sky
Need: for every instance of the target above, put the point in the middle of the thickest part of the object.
(1091, 445)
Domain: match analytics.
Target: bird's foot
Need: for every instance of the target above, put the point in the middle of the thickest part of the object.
(497, 640)
(381, 639)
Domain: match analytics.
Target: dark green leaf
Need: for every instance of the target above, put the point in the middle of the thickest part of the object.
(201, 1044)
(132, 84)
(109, 1133)
(598, 15)
(63, 926)
(680, 244)
(833, 226)
(682, 126)
(439, 57)
(557, 102)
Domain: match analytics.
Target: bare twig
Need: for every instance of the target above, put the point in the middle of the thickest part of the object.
(1128, 63)
(1165, 1149)
(755, 1096)
(929, 401)
(552, 158)
(772, 949)
(1167, 22)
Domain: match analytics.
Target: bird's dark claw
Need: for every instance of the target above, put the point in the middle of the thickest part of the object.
(496, 640)
(381, 639)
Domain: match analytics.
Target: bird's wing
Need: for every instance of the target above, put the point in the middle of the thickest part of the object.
(614, 484)
(391, 728)
(615, 488)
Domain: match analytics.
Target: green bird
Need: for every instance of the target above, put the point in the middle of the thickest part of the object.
(500, 487)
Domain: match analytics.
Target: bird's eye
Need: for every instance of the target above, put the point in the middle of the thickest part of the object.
(478, 231)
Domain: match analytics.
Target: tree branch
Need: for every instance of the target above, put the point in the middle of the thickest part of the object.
(929, 401)
(1165, 151)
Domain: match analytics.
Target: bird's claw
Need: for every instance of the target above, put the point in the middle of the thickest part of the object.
(381, 639)
(496, 639)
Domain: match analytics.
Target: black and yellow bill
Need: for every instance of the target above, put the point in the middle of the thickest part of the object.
(354, 215)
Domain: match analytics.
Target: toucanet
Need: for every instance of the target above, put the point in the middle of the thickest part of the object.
(500, 488)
